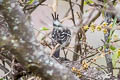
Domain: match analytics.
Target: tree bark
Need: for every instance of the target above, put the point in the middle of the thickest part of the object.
(19, 39)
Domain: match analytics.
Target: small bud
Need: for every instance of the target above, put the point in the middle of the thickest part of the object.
(118, 52)
(86, 27)
(98, 28)
(105, 31)
(105, 24)
(110, 26)
(73, 69)
(92, 27)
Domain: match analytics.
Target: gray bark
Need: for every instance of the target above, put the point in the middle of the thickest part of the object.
(19, 39)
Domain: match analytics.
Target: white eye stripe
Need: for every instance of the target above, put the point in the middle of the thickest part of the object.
(56, 22)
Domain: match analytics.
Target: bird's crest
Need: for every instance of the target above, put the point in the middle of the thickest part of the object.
(56, 21)
(55, 16)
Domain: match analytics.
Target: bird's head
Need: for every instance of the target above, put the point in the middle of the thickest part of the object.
(56, 22)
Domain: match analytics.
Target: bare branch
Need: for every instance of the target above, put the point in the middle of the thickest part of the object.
(82, 5)
(73, 18)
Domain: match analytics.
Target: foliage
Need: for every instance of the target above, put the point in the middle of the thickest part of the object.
(115, 57)
(26, 56)
(30, 2)
(88, 1)
(44, 29)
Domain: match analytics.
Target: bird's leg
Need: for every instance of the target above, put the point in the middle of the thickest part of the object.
(65, 54)
(54, 49)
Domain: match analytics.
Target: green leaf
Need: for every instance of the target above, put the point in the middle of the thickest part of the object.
(104, 46)
(44, 29)
(105, 1)
(112, 47)
(103, 15)
(115, 57)
(1, 79)
(30, 1)
(114, 22)
(101, 48)
(90, 1)
(86, 11)
(112, 31)
(85, 2)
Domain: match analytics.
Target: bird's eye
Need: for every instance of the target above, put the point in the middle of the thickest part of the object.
(56, 24)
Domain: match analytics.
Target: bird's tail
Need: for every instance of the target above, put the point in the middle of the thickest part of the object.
(57, 53)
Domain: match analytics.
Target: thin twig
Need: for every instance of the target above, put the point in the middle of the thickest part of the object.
(4, 69)
(66, 14)
(89, 56)
(82, 5)
(94, 18)
(46, 44)
(6, 74)
(73, 19)
(54, 49)
(72, 51)
(100, 67)
(89, 17)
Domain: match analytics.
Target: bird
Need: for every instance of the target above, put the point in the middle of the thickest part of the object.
(60, 35)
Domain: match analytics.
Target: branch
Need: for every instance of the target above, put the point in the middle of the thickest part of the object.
(82, 5)
(94, 18)
(4, 69)
(73, 18)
